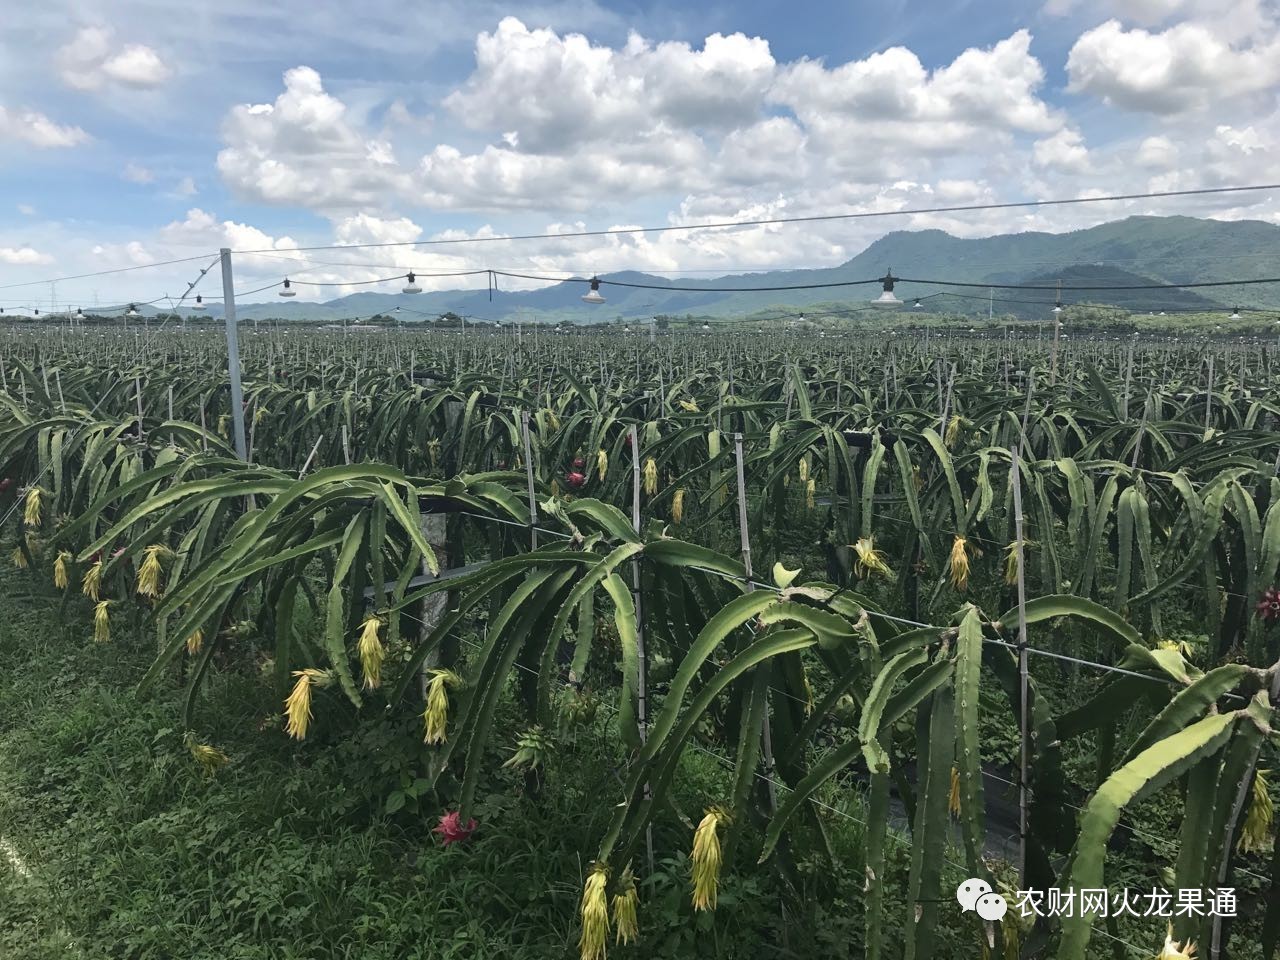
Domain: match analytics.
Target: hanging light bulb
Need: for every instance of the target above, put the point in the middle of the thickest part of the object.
(288, 291)
(36, 312)
(593, 295)
(1235, 314)
(132, 311)
(79, 314)
(412, 285)
(199, 304)
(886, 298)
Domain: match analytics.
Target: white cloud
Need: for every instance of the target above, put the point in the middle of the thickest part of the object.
(503, 178)
(303, 150)
(578, 126)
(26, 209)
(364, 228)
(202, 229)
(887, 117)
(138, 253)
(1237, 155)
(768, 152)
(1157, 153)
(548, 127)
(38, 130)
(1140, 11)
(1064, 151)
(399, 115)
(556, 91)
(136, 173)
(891, 96)
(92, 60)
(1186, 67)
(137, 66)
(24, 256)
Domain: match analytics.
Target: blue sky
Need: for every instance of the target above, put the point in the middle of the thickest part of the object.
(139, 131)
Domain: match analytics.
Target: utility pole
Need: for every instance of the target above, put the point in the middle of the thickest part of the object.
(233, 355)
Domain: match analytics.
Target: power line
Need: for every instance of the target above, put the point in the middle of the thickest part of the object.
(816, 218)
(1054, 286)
(855, 283)
(102, 273)
(398, 276)
(673, 228)
(738, 270)
(783, 287)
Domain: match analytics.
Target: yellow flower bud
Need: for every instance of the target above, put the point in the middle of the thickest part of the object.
(297, 706)
(1012, 561)
(953, 431)
(595, 914)
(626, 904)
(211, 759)
(371, 653)
(31, 509)
(102, 621)
(149, 573)
(436, 716)
(959, 564)
(61, 579)
(707, 859)
(91, 585)
(1255, 837)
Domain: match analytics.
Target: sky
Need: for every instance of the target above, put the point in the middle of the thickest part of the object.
(138, 132)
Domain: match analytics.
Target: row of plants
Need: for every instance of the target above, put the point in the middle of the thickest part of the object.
(878, 482)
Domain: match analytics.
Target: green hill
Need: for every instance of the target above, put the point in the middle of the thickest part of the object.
(1132, 252)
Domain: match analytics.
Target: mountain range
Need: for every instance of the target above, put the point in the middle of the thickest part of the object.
(1134, 252)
